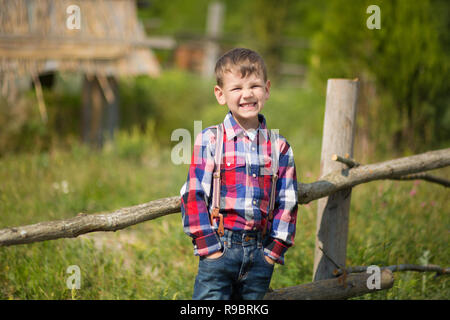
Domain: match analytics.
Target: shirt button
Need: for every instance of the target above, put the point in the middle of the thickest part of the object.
(228, 164)
(253, 149)
(254, 175)
(255, 202)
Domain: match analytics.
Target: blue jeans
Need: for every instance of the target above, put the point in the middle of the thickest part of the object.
(241, 272)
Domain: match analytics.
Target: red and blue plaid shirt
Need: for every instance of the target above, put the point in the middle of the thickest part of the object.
(246, 180)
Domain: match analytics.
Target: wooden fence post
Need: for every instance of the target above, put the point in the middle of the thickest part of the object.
(100, 108)
(213, 30)
(333, 211)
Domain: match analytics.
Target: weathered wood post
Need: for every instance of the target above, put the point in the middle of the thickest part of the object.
(100, 99)
(333, 211)
(213, 30)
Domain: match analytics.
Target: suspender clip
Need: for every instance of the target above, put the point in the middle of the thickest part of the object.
(215, 214)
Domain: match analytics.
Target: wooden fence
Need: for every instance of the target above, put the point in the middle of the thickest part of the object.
(339, 174)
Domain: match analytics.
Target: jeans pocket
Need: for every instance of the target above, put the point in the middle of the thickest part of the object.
(225, 249)
(263, 258)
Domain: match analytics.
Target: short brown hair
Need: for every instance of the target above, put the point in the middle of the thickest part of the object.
(246, 60)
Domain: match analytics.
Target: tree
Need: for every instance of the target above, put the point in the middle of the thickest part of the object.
(406, 61)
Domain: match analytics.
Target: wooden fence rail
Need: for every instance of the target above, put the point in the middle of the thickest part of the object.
(332, 289)
(125, 217)
(336, 179)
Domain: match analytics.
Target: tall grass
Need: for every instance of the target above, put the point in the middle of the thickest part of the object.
(390, 222)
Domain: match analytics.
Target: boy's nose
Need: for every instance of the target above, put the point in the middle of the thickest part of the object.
(247, 93)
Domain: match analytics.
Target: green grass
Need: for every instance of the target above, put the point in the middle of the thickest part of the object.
(390, 222)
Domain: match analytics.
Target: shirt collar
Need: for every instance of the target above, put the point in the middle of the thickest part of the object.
(233, 129)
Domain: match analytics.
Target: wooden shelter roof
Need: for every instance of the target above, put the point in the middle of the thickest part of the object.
(34, 37)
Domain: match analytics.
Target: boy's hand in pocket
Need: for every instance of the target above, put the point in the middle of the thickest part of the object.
(269, 260)
(214, 255)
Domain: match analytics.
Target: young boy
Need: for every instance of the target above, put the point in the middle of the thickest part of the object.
(236, 234)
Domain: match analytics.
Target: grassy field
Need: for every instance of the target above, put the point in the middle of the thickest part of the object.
(390, 222)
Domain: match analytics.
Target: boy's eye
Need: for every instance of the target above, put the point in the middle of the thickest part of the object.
(235, 89)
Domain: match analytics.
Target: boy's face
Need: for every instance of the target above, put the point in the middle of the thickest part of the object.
(245, 97)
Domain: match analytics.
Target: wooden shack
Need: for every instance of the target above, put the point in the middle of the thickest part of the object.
(102, 39)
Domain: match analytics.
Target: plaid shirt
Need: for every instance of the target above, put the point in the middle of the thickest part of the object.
(246, 180)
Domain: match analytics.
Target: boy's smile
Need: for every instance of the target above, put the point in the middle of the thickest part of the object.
(245, 97)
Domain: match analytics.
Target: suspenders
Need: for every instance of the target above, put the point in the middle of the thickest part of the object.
(216, 178)
(275, 163)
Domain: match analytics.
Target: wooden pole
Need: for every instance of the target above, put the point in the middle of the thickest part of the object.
(110, 89)
(124, 217)
(333, 211)
(398, 267)
(112, 114)
(94, 107)
(351, 285)
(213, 30)
(40, 97)
(96, 124)
(86, 108)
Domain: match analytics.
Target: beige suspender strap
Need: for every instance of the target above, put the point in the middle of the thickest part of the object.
(273, 137)
(217, 161)
(275, 163)
(216, 180)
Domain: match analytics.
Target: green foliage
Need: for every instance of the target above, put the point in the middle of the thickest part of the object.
(405, 65)
(406, 60)
(263, 25)
(23, 129)
(170, 101)
(176, 16)
(152, 106)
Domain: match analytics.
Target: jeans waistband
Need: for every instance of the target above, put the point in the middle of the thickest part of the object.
(243, 237)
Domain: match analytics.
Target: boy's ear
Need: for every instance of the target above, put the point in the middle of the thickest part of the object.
(218, 92)
(267, 88)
